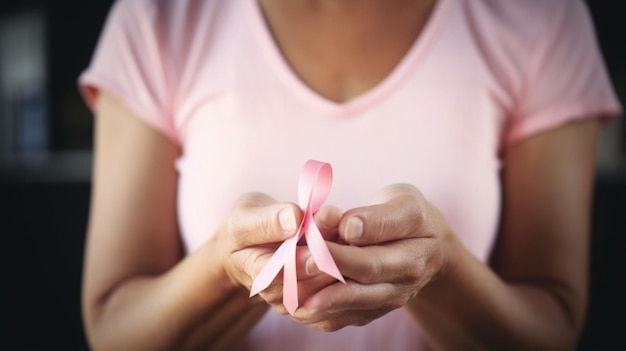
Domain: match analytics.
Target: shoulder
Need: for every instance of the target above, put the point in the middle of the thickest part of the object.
(525, 22)
(165, 12)
(516, 38)
(172, 26)
(166, 17)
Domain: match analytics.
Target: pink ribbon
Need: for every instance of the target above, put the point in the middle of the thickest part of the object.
(313, 188)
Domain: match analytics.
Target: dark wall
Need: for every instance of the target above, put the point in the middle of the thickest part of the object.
(607, 304)
(44, 204)
(45, 227)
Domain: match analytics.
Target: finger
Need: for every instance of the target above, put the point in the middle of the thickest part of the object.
(352, 296)
(258, 219)
(252, 261)
(306, 288)
(303, 256)
(327, 219)
(400, 261)
(307, 284)
(403, 213)
(336, 321)
(355, 296)
(305, 267)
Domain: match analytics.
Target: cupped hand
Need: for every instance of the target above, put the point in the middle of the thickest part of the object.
(256, 226)
(396, 247)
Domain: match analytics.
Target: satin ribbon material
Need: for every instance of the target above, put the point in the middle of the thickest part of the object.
(313, 189)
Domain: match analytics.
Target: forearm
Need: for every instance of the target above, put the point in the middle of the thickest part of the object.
(182, 309)
(471, 307)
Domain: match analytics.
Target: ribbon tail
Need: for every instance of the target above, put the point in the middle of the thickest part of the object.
(273, 266)
(290, 285)
(319, 251)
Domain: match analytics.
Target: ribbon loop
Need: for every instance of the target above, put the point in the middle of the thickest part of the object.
(314, 185)
(313, 188)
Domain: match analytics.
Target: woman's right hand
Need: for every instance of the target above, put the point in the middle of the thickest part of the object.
(255, 228)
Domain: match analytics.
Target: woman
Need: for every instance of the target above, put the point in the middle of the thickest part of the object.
(462, 136)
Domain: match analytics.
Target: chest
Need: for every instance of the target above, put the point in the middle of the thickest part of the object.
(343, 50)
(248, 124)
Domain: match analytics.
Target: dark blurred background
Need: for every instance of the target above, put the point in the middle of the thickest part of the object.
(45, 174)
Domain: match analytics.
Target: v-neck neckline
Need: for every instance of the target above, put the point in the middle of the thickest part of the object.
(364, 99)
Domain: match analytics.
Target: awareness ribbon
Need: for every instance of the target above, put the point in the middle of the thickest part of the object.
(313, 188)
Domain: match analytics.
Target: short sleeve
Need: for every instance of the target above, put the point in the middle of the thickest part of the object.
(566, 79)
(129, 63)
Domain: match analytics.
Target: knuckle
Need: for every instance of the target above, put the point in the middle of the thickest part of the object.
(272, 296)
(414, 275)
(414, 272)
(413, 262)
(374, 269)
(371, 270)
(398, 302)
(367, 317)
(276, 303)
(416, 211)
(280, 309)
(329, 326)
(361, 322)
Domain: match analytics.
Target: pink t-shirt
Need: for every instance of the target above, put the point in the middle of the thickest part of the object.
(482, 75)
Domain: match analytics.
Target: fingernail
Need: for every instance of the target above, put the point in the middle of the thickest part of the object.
(287, 220)
(354, 229)
(311, 267)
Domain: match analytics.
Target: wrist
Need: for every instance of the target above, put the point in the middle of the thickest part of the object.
(449, 246)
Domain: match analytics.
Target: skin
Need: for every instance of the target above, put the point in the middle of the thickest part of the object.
(141, 292)
(534, 294)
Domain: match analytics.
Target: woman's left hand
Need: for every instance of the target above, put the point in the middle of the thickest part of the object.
(395, 247)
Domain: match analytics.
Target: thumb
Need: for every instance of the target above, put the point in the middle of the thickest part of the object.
(398, 212)
(258, 219)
